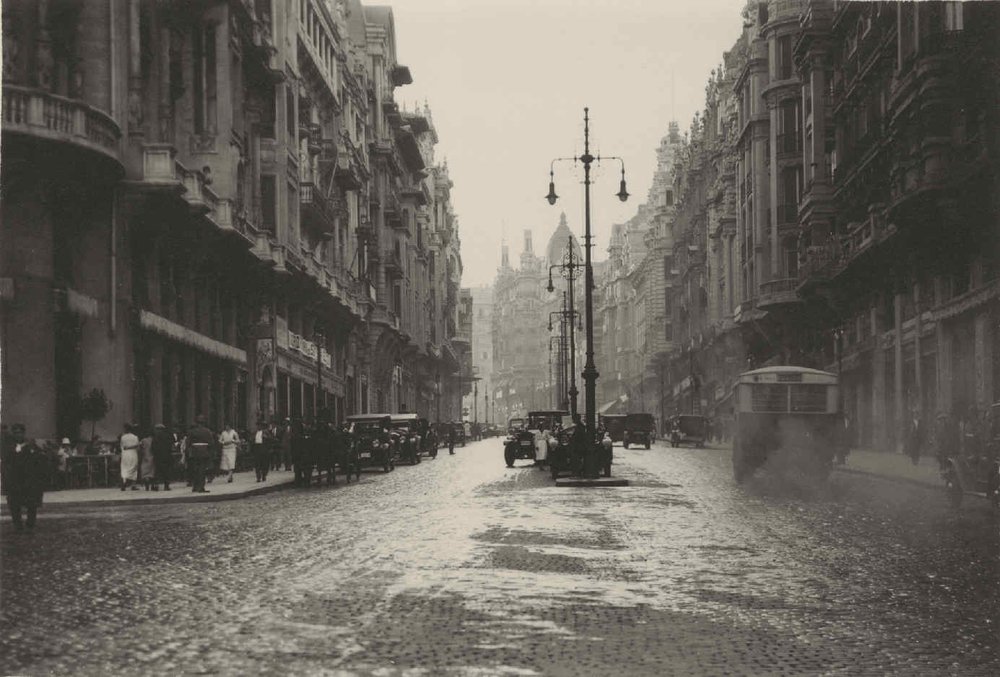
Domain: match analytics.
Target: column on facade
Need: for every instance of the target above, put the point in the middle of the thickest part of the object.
(899, 408)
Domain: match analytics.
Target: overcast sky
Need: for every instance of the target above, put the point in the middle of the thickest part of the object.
(507, 81)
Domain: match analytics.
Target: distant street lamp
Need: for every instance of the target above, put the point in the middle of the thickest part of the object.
(568, 269)
(589, 370)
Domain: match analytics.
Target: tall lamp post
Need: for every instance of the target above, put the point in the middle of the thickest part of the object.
(590, 369)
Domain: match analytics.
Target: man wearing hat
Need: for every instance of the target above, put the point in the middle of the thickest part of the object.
(200, 441)
(24, 471)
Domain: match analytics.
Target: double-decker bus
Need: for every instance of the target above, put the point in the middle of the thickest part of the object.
(788, 417)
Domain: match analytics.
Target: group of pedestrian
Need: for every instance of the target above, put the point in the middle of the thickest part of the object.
(147, 461)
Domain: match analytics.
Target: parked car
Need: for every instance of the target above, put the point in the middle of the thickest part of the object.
(407, 440)
(639, 429)
(688, 428)
(615, 425)
(372, 440)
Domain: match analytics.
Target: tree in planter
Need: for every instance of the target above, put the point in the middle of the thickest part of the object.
(94, 406)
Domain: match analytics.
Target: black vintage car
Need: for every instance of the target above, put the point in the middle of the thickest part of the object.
(407, 440)
(639, 429)
(615, 425)
(520, 442)
(372, 440)
(568, 457)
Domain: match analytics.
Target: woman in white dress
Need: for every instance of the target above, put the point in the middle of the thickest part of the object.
(228, 439)
(129, 444)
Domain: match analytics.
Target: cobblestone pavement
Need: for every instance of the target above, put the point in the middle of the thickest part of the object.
(462, 566)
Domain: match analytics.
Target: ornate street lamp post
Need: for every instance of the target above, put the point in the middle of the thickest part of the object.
(590, 369)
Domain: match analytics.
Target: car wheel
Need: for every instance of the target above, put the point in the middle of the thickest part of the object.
(508, 456)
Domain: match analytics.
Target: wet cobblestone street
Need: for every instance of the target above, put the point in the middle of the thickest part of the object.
(462, 566)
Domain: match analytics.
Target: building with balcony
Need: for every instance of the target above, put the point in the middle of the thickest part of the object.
(836, 207)
(243, 252)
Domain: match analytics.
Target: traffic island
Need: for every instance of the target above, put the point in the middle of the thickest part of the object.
(591, 483)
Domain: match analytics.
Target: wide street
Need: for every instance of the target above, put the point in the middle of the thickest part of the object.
(462, 566)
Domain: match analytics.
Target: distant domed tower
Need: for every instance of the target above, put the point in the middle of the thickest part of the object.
(557, 243)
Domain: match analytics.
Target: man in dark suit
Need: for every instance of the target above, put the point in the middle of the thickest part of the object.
(200, 442)
(25, 472)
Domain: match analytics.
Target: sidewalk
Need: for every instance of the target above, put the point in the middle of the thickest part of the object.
(893, 466)
(244, 484)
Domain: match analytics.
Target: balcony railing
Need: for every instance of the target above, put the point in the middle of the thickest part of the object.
(41, 114)
(774, 292)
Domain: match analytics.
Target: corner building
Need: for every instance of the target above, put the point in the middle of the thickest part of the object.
(229, 217)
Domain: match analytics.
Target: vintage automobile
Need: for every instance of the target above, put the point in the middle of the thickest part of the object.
(515, 424)
(565, 457)
(688, 428)
(788, 417)
(615, 425)
(531, 437)
(639, 429)
(372, 440)
(407, 440)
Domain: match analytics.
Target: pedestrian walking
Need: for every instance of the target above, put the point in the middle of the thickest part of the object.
(63, 453)
(228, 440)
(163, 456)
(451, 438)
(24, 472)
(284, 449)
(200, 441)
(914, 438)
(147, 465)
(129, 445)
(263, 441)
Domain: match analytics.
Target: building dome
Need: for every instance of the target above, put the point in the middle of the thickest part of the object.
(557, 243)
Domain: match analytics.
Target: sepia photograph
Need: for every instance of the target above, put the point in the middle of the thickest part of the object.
(419, 338)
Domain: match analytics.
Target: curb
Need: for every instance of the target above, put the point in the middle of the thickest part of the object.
(905, 480)
(194, 498)
(592, 484)
(890, 478)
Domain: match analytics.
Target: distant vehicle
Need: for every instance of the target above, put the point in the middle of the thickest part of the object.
(515, 424)
(789, 416)
(615, 425)
(373, 440)
(688, 428)
(530, 438)
(639, 429)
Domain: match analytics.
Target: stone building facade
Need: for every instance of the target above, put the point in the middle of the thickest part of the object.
(836, 205)
(218, 208)
(530, 335)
